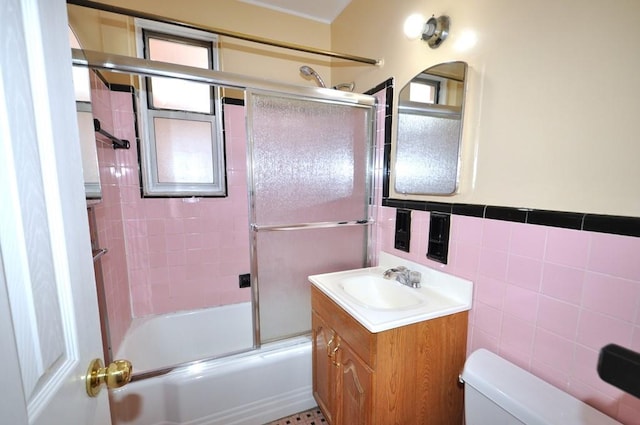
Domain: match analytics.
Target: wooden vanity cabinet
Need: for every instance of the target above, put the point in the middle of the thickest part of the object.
(403, 376)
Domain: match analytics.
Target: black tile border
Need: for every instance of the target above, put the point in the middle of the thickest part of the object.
(388, 116)
(232, 101)
(616, 225)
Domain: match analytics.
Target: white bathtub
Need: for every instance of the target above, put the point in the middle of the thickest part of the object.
(156, 342)
(251, 388)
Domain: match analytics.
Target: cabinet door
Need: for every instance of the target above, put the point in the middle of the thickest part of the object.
(324, 372)
(355, 385)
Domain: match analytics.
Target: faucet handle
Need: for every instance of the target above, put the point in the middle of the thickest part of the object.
(415, 278)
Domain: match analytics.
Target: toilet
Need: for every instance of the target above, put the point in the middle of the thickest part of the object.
(498, 392)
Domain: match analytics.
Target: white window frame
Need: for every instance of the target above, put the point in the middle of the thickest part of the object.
(151, 186)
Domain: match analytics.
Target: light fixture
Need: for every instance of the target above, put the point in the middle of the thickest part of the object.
(434, 31)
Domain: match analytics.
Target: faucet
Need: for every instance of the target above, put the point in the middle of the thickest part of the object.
(404, 276)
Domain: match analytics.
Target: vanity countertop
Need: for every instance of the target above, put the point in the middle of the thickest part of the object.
(381, 304)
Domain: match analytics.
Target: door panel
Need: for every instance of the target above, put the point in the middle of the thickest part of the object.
(44, 239)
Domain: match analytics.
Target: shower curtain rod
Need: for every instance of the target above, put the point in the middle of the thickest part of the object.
(225, 33)
(150, 68)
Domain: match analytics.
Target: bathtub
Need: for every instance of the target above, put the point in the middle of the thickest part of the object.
(156, 342)
(249, 388)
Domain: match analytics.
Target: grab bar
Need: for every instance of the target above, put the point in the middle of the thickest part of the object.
(317, 225)
(117, 143)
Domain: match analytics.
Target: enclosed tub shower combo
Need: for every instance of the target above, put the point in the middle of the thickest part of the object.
(300, 187)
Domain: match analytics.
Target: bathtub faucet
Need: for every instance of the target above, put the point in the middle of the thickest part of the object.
(404, 275)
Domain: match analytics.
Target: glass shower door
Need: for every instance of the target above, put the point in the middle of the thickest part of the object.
(310, 192)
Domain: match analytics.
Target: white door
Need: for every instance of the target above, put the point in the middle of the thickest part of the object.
(49, 329)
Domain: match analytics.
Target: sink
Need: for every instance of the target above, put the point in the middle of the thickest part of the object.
(376, 292)
(381, 304)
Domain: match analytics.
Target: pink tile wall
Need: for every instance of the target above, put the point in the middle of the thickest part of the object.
(184, 254)
(109, 221)
(545, 298)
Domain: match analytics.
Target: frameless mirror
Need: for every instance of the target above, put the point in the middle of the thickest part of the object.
(430, 110)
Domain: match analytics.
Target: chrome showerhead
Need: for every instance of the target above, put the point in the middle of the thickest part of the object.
(307, 71)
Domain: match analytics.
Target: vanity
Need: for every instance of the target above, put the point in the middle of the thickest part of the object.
(385, 353)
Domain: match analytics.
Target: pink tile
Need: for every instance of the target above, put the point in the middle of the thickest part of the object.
(558, 317)
(524, 272)
(157, 259)
(628, 410)
(585, 370)
(467, 260)
(596, 330)
(567, 247)
(528, 240)
(521, 303)
(493, 264)
(564, 283)
(610, 295)
(481, 339)
(490, 291)
(159, 276)
(515, 355)
(496, 235)
(174, 226)
(615, 255)
(517, 334)
(193, 241)
(556, 377)
(161, 299)
(553, 350)
(635, 341)
(175, 242)
(157, 243)
(487, 319)
(594, 398)
(466, 229)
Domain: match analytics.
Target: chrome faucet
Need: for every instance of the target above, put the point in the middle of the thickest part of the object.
(404, 276)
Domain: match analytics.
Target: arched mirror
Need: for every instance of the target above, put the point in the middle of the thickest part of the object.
(430, 111)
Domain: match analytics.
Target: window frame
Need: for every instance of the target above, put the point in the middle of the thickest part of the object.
(151, 186)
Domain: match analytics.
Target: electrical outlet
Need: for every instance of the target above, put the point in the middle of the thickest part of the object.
(244, 280)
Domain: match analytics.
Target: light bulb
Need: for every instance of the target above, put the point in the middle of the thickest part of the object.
(413, 26)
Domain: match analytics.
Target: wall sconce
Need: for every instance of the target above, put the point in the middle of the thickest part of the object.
(434, 31)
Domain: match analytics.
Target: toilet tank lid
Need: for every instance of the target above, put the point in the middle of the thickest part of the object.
(525, 396)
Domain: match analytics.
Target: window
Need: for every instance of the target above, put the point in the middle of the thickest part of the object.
(182, 149)
(424, 91)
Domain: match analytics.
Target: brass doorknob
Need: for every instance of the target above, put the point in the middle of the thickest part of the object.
(115, 375)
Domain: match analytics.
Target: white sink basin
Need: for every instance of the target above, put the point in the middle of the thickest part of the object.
(380, 304)
(376, 292)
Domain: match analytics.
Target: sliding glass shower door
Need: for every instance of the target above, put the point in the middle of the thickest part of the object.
(311, 185)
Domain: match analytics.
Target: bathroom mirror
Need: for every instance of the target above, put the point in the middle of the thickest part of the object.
(430, 109)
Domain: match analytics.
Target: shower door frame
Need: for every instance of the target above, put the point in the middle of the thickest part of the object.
(149, 68)
(368, 207)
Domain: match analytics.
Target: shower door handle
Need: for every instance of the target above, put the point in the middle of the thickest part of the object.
(115, 375)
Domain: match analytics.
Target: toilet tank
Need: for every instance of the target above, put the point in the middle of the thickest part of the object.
(498, 392)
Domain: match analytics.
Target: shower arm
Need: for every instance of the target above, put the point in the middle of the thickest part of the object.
(221, 32)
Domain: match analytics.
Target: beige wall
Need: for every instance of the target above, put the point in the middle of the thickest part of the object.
(236, 56)
(553, 106)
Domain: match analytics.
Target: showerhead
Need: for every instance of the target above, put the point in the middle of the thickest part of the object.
(307, 71)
